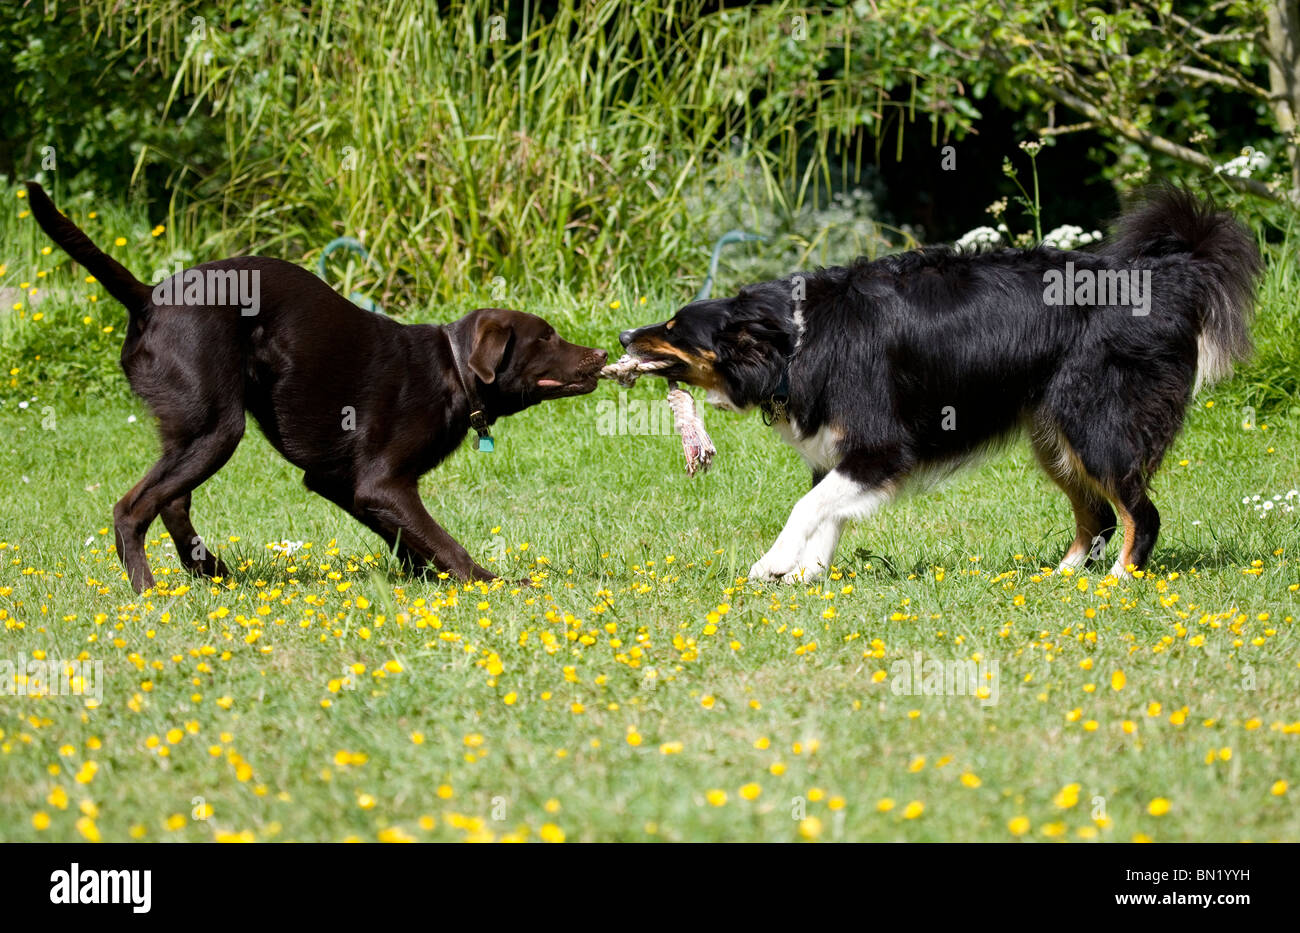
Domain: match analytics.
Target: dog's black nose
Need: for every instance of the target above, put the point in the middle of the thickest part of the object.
(626, 337)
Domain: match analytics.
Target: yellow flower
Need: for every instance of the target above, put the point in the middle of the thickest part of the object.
(551, 833)
(1277, 790)
(41, 820)
(1158, 807)
(751, 791)
(885, 804)
(120, 241)
(971, 780)
(1117, 680)
(913, 810)
(716, 798)
(1067, 797)
(86, 826)
(1018, 826)
(175, 822)
(810, 827)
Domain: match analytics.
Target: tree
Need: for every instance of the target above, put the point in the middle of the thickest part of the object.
(1154, 77)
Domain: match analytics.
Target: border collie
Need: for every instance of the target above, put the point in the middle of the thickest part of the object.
(895, 370)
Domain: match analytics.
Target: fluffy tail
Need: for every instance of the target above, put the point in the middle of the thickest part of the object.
(120, 283)
(1169, 221)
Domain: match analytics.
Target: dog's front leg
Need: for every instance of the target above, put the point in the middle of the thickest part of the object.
(806, 545)
(400, 509)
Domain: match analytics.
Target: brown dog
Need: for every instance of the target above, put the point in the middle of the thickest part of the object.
(363, 404)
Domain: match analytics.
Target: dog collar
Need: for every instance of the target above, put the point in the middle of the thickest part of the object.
(477, 420)
(774, 407)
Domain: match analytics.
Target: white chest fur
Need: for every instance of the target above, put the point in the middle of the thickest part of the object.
(820, 450)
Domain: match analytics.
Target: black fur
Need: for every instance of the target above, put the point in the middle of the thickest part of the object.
(921, 359)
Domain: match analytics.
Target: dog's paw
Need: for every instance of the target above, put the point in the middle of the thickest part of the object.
(1073, 560)
(780, 560)
(802, 574)
(787, 569)
(762, 573)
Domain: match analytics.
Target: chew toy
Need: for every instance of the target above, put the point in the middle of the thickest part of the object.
(697, 446)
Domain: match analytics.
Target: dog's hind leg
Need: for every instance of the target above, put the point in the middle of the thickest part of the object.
(194, 554)
(187, 461)
(1094, 520)
(1141, 526)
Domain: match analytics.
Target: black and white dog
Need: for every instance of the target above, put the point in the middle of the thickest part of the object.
(886, 372)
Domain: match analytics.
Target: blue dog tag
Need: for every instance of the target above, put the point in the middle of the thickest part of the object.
(486, 444)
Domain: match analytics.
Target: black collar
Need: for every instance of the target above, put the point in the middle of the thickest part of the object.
(477, 420)
(774, 406)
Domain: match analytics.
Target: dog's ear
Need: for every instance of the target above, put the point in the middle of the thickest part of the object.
(490, 342)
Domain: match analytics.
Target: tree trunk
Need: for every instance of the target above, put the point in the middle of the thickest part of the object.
(1282, 48)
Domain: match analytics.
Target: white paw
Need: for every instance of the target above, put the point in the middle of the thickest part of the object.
(793, 569)
(802, 574)
(1120, 572)
(1072, 561)
(761, 572)
(781, 560)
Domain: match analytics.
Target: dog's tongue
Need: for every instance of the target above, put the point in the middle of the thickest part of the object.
(549, 383)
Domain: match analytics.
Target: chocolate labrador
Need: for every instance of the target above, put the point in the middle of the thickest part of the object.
(362, 404)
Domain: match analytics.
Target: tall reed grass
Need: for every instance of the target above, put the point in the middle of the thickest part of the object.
(593, 146)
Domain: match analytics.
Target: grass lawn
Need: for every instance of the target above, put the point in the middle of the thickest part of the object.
(643, 692)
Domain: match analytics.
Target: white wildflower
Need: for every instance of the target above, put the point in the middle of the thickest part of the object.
(980, 238)
(1244, 165)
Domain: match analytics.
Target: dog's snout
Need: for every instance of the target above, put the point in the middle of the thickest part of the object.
(626, 337)
(601, 357)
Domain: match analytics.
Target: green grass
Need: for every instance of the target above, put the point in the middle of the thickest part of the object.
(620, 527)
(719, 702)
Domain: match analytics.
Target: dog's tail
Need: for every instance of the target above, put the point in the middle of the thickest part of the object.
(115, 277)
(1170, 221)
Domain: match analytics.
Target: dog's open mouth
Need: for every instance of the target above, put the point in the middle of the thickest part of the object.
(578, 384)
